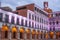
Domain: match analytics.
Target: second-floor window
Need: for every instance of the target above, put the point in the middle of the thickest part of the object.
(32, 24)
(57, 22)
(53, 23)
(14, 35)
(26, 23)
(29, 24)
(50, 23)
(6, 18)
(32, 17)
(35, 18)
(29, 16)
(22, 22)
(6, 34)
(17, 21)
(1, 16)
(12, 20)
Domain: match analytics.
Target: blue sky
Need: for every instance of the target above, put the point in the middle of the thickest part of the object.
(53, 4)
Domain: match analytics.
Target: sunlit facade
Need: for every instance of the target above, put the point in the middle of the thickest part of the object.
(54, 23)
(17, 27)
(28, 22)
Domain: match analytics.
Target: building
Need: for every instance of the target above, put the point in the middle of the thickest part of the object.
(6, 8)
(24, 24)
(54, 22)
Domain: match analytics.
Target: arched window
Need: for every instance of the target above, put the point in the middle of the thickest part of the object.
(14, 35)
(21, 33)
(51, 35)
(33, 34)
(6, 34)
(57, 35)
(14, 32)
(41, 35)
(4, 31)
(37, 35)
(28, 33)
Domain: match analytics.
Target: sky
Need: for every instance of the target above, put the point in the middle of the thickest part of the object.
(53, 4)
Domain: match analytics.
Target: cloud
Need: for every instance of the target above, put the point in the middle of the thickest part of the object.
(53, 4)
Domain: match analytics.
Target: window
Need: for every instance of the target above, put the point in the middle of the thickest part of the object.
(56, 14)
(38, 19)
(29, 23)
(26, 23)
(1, 16)
(37, 36)
(6, 18)
(35, 8)
(53, 23)
(38, 26)
(50, 29)
(32, 24)
(6, 34)
(29, 16)
(57, 22)
(17, 21)
(21, 35)
(32, 17)
(14, 34)
(35, 25)
(42, 20)
(50, 23)
(12, 20)
(28, 35)
(33, 36)
(22, 22)
(53, 28)
(35, 18)
(41, 35)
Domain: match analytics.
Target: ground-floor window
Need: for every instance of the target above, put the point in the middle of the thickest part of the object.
(33, 36)
(46, 36)
(14, 35)
(6, 34)
(37, 35)
(57, 35)
(51, 35)
(41, 36)
(21, 35)
(28, 35)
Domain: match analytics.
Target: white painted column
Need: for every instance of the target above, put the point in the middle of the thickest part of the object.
(25, 37)
(9, 35)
